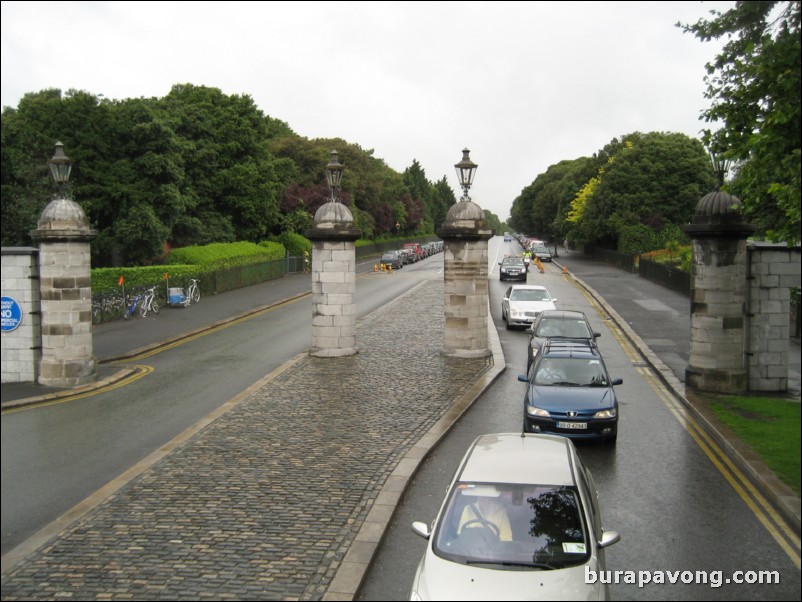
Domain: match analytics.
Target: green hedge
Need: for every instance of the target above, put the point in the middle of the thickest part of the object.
(108, 279)
(293, 243)
(226, 255)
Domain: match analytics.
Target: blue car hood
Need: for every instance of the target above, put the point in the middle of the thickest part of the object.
(561, 398)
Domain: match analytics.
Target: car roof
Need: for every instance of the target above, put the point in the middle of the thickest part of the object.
(529, 287)
(519, 458)
(562, 314)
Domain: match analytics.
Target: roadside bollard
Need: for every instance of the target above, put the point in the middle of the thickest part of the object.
(540, 267)
(565, 270)
(375, 267)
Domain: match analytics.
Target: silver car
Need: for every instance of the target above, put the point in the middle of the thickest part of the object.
(522, 303)
(520, 521)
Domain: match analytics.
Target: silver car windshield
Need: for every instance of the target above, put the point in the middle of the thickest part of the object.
(513, 526)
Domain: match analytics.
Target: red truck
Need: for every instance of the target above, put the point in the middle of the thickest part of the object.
(415, 247)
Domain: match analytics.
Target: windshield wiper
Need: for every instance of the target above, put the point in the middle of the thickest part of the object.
(527, 565)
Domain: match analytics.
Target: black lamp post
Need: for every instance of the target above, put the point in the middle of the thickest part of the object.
(720, 167)
(334, 175)
(465, 172)
(60, 166)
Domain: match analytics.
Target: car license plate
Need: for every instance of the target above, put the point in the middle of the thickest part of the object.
(572, 425)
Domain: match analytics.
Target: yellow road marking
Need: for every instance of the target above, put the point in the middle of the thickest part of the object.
(765, 513)
(139, 372)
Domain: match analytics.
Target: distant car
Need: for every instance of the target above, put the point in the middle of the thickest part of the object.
(553, 324)
(393, 259)
(507, 237)
(541, 252)
(512, 268)
(569, 392)
(522, 303)
(520, 521)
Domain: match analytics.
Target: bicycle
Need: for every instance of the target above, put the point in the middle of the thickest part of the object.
(149, 303)
(143, 303)
(193, 292)
(132, 306)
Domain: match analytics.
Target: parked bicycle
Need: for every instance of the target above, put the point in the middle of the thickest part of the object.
(142, 304)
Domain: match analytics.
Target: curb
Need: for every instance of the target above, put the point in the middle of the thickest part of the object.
(357, 561)
(780, 496)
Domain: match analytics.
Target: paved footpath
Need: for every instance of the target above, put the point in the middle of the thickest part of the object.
(285, 492)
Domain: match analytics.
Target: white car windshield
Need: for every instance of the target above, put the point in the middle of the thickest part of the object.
(526, 294)
(513, 526)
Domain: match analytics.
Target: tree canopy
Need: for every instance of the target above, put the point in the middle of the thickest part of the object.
(754, 84)
(195, 167)
(641, 182)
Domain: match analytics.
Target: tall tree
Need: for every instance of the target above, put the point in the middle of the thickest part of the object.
(653, 180)
(755, 85)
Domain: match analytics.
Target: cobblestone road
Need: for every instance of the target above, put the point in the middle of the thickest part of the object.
(264, 503)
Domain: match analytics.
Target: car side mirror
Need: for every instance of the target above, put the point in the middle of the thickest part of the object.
(522, 378)
(596, 335)
(618, 381)
(422, 529)
(554, 300)
(608, 539)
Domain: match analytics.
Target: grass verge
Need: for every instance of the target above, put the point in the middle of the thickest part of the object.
(769, 425)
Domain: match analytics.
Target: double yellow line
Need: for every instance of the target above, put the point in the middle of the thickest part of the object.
(777, 527)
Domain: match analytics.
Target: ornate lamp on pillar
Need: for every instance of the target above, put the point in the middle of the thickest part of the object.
(334, 175)
(465, 232)
(466, 169)
(333, 237)
(63, 235)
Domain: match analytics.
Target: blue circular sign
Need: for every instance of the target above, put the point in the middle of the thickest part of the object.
(10, 314)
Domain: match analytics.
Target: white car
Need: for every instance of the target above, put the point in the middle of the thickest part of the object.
(520, 521)
(522, 303)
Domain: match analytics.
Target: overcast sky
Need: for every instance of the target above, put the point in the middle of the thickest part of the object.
(523, 85)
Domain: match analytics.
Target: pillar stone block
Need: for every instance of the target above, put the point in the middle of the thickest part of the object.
(465, 234)
(63, 235)
(333, 281)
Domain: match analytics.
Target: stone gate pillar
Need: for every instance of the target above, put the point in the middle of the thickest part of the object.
(718, 295)
(333, 281)
(63, 235)
(465, 233)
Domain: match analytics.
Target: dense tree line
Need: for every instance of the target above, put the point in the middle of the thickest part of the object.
(632, 195)
(194, 167)
(636, 193)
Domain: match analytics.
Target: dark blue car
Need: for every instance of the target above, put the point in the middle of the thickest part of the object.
(569, 393)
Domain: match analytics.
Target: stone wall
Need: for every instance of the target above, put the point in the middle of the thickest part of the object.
(21, 349)
(772, 271)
